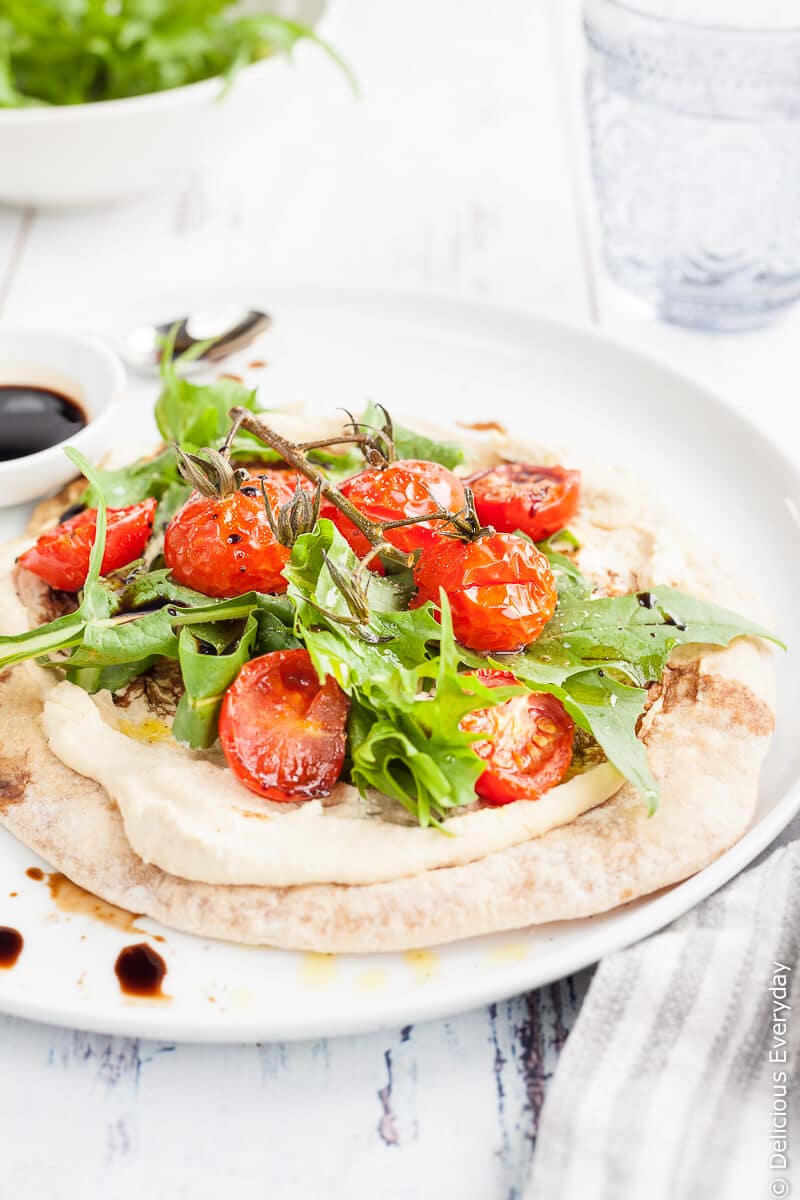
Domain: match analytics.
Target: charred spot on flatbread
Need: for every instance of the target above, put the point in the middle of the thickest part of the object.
(739, 702)
(160, 688)
(42, 603)
(685, 686)
(15, 778)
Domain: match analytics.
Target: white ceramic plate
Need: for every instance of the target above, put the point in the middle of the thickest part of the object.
(449, 358)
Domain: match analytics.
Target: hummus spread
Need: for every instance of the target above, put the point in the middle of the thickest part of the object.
(190, 816)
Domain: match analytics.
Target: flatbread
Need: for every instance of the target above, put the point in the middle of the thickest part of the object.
(707, 731)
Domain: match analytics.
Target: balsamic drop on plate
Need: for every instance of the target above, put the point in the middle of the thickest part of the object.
(140, 970)
(11, 943)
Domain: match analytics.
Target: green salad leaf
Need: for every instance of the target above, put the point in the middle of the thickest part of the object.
(195, 415)
(112, 643)
(61, 52)
(148, 589)
(208, 671)
(633, 633)
(325, 623)
(405, 740)
(409, 444)
(610, 711)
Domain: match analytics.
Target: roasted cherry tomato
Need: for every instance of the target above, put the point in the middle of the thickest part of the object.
(407, 488)
(529, 743)
(281, 730)
(225, 546)
(537, 500)
(61, 556)
(501, 590)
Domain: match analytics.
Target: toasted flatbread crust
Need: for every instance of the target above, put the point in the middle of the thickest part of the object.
(707, 731)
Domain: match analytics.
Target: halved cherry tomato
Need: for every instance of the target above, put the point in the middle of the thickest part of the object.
(501, 590)
(529, 743)
(281, 730)
(406, 488)
(61, 556)
(537, 500)
(225, 546)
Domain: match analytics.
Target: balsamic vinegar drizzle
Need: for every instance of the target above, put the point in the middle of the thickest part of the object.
(70, 512)
(34, 418)
(140, 970)
(648, 600)
(11, 943)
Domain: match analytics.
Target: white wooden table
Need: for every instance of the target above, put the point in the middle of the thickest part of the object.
(460, 169)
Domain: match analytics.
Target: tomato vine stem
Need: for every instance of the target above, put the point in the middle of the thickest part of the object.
(292, 454)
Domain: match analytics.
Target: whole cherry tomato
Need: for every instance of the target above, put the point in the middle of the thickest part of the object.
(406, 488)
(501, 590)
(61, 555)
(224, 546)
(528, 747)
(537, 500)
(281, 730)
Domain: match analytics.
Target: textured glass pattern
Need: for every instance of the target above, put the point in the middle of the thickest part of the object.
(695, 144)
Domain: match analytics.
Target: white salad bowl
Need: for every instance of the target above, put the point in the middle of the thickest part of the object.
(80, 368)
(85, 154)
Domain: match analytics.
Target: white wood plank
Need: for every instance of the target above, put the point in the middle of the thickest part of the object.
(416, 1112)
(449, 172)
(15, 227)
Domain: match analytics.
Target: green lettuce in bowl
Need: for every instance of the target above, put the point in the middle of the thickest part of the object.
(102, 99)
(83, 51)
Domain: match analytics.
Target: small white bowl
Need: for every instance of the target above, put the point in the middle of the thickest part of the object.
(83, 369)
(81, 154)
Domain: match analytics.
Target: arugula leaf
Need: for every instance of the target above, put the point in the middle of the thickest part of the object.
(111, 643)
(413, 749)
(568, 577)
(99, 544)
(47, 639)
(195, 415)
(410, 444)
(335, 648)
(632, 634)
(59, 52)
(149, 588)
(108, 679)
(236, 609)
(206, 677)
(272, 633)
(157, 477)
(610, 711)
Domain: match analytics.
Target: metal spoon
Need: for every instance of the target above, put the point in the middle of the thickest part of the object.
(232, 329)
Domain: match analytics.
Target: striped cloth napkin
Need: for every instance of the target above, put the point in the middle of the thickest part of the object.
(680, 1078)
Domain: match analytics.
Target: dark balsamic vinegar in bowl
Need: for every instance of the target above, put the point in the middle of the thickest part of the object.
(33, 418)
